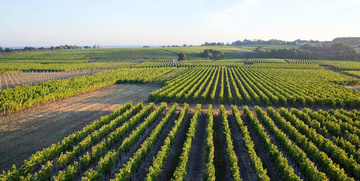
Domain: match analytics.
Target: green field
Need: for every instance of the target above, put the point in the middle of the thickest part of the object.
(270, 47)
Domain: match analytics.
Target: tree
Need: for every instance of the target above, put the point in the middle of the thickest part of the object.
(260, 49)
(212, 54)
(343, 51)
(182, 56)
(1, 49)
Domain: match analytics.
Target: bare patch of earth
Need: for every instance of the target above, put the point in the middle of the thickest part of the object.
(142, 60)
(93, 60)
(24, 132)
(337, 70)
(357, 87)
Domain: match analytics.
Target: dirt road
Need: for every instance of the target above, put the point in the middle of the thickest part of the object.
(24, 132)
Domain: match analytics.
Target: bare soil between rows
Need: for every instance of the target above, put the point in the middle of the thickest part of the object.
(24, 132)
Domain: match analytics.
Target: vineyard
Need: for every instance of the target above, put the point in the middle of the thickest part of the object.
(241, 86)
(148, 142)
(26, 95)
(229, 119)
(19, 78)
(203, 63)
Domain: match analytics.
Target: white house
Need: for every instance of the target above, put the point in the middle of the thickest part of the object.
(301, 43)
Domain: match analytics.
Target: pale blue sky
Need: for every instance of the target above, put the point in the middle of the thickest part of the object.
(166, 22)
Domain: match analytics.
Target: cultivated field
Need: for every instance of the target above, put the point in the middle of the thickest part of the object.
(32, 77)
(156, 118)
(260, 87)
(143, 141)
(25, 132)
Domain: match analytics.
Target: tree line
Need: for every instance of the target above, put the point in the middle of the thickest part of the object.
(337, 51)
(354, 41)
(61, 47)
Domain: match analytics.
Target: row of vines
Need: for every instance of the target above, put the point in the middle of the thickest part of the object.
(13, 99)
(137, 142)
(303, 87)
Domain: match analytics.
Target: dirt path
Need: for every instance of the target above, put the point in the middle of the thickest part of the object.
(356, 87)
(247, 171)
(336, 70)
(196, 166)
(93, 60)
(24, 132)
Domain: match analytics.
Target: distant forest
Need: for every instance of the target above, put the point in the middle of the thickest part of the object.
(337, 51)
(61, 47)
(354, 41)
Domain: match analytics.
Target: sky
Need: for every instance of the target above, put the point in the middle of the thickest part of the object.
(168, 22)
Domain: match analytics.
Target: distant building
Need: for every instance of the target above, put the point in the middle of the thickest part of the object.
(245, 41)
(301, 43)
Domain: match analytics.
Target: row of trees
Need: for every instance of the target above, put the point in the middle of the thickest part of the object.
(61, 47)
(208, 54)
(355, 41)
(349, 40)
(337, 51)
(258, 42)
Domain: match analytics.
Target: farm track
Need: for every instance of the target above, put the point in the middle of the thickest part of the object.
(24, 132)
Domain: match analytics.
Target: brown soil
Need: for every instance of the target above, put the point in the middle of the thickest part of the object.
(196, 162)
(173, 159)
(356, 87)
(93, 60)
(24, 132)
(247, 171)
(331, 69)
(142, 60)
